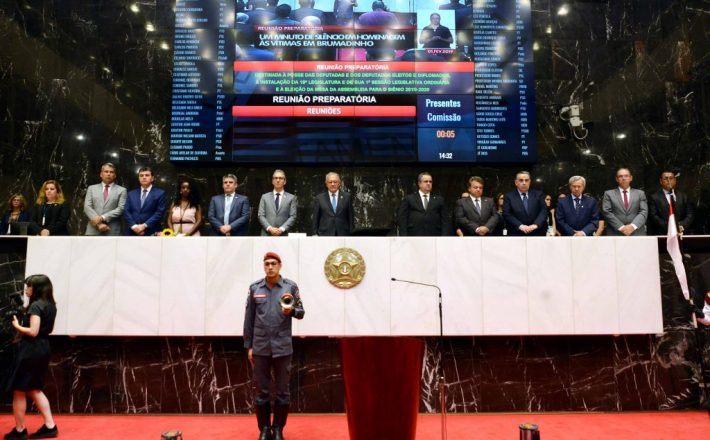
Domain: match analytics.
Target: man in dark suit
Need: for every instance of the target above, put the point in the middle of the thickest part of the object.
(145, 206)
(333, 210)
(229, 213)
(306, 10)
(524, 209)
(474, 214)
(658, 204)
(625, 209)
(577, 215)
(277, 208)
(422, 213)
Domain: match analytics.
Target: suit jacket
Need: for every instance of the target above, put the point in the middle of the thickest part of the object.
(617, 216)
(284, 218)
(111, 210)
(658, 212)
(151, 213)
(468, 219)
(55, 216)
(414, 220)
(238, 214)
(569, 220)
(329, 223)
(515, 215)
(5, 223)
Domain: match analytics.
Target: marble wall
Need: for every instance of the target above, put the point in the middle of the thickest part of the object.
(483, 374)
(638, 68)
(91, 68)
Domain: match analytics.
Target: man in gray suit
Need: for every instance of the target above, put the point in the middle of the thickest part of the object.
(229, 212)
(475, 214)
(104, 203)
(625, 209)
(277, 208)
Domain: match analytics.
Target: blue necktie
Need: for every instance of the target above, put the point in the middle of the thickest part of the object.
(525, 201)
(333, 202)
(577, 201)
(143, 196)
(277, 201)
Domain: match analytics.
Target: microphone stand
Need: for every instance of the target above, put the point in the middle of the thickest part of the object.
(442, 381)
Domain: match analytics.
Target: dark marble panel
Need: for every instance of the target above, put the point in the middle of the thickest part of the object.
(637, 68)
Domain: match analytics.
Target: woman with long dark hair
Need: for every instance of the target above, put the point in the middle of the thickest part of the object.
(185, 213)
(32, 362)
(51, 214)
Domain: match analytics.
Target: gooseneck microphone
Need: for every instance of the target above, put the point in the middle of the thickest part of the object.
(442, 381)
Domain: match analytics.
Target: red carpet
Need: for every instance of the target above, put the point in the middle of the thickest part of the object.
(607, 426)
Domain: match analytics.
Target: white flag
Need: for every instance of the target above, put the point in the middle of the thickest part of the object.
(673, 247)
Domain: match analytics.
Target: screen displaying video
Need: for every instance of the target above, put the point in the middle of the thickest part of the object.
(353, 81)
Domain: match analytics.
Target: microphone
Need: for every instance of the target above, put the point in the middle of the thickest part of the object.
(417, 283)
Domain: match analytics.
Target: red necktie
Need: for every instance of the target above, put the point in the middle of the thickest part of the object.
(105, 193)
(626, 200)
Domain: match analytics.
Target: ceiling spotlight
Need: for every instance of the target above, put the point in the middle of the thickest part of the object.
(80, 137)
(587, 151)
(114, 154)
(564, 10)
(548, 30)
(164, 45)
(536, 46)
(621, 136)
(134, 8)
(149, 27)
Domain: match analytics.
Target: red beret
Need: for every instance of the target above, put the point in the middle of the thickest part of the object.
(272, 256)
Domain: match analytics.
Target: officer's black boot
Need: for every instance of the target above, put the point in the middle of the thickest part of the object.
(263, 419)
(280, 416)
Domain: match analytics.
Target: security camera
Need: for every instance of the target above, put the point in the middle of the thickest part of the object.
(570, 114)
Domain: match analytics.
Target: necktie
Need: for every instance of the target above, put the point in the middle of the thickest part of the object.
(626, 200)
(227, 208)
(333, 202)
(672, 200)
(525, 201)
(277, 202)
(478, 205)
(105, 193)
(577, 201)
(426, 200)
(144, 194)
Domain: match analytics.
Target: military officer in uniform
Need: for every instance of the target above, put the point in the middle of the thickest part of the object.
(271, 304)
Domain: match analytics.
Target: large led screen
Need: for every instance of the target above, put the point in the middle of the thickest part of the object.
(353, 81)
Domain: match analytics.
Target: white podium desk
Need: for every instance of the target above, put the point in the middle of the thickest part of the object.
(491, 286)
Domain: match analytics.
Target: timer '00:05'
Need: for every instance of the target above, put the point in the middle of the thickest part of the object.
(450, 134)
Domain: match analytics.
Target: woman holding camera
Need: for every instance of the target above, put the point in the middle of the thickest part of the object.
(32, 361)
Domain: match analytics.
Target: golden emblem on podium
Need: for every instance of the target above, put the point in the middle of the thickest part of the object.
(344, 268)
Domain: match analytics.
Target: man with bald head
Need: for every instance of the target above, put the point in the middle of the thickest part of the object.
(625, 209)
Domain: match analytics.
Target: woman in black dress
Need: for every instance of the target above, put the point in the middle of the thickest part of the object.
(33, 358)
(51, 213)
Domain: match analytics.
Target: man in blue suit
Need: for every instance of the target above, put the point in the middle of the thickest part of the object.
(145, 206)
(577, 214)
(524, 209)
(229, 212)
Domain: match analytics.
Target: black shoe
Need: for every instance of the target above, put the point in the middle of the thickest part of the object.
(278, 433)
(45, 432)
(15, 434)
(265, 433)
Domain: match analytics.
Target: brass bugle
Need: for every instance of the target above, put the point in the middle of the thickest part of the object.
(287, 301)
